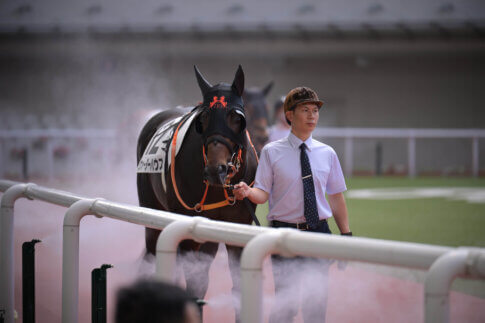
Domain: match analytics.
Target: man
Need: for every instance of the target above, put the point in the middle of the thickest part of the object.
(281, 128)
(152, 301)
(295, 173)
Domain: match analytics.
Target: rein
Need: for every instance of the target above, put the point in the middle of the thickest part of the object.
(235, 163)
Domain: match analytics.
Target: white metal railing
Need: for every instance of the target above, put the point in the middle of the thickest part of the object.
(348, 134)
(410, 134)
(258, 243)
(49, 135)
(57, 133)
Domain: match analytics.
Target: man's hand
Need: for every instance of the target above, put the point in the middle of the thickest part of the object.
(241, 190)
(255, 195)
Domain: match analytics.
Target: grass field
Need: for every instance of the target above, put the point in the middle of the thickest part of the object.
(437, 221)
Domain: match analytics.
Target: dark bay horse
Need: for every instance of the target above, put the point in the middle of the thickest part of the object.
(255, 105)
(216, 150)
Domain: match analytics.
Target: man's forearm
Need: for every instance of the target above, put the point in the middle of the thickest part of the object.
(342, 220)
(257, 195)
(339, 210)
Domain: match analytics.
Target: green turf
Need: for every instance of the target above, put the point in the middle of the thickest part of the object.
(433, 221)
(429, 220)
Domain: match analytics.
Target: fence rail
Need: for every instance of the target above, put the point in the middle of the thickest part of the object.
(348, 134)
(258, 243)
(29, 136)
(409, 134)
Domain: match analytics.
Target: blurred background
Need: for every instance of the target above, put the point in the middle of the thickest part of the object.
(94, 70)
(402, 83)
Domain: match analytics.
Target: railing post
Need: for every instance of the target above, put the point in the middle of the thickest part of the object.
(252, 259)
(6, 249)
(475, 157)
(412, 156)
(349, 156)
(469, 262)
(25, 163)
(167, 245)
(70, 258)
(28, 281)
(50, 158)
(98, 294)
(3, 160)
(378, 170)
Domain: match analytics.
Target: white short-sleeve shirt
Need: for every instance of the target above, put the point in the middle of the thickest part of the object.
(279, 174)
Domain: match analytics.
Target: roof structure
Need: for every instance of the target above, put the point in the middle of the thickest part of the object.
(337, 18)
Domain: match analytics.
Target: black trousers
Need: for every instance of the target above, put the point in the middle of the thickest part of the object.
(300, 281)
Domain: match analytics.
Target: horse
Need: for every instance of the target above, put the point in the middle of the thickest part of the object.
(215, 152)
(257, 114)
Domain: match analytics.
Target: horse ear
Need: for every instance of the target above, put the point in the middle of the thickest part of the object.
(268, 88)
(203, 84)
(238, 83)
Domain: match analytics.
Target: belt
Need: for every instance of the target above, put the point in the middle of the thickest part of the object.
(300, 226)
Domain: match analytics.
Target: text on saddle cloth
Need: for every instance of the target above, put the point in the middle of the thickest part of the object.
(158, 153)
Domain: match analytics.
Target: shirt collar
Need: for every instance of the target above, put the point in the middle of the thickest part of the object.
(295, 142)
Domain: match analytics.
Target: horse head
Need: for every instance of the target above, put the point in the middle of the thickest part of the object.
(222, 124)
(257, 114)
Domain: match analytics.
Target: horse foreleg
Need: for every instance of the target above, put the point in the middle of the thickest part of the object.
(196, 260)
(234, 259)
(151, 237)
(147, 198)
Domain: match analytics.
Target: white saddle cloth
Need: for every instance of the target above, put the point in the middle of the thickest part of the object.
(158, 153)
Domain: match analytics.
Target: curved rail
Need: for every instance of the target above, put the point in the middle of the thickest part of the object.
(469, 262)
(259, 243)
(291, 242)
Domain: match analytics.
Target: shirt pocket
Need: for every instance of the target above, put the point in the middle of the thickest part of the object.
(320, 178)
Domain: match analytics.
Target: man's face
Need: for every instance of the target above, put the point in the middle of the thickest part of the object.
(304, 117)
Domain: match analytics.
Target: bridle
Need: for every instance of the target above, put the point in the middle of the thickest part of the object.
(234, 164)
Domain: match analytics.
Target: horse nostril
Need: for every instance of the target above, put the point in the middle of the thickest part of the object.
(206, 173)
(222, 169)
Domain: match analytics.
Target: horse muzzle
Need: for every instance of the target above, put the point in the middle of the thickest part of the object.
(216, 175)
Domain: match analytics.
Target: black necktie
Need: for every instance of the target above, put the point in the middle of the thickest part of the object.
(310, 202)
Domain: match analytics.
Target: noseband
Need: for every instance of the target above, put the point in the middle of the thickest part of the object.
(234, 164)
(220, 139)
(236, 156)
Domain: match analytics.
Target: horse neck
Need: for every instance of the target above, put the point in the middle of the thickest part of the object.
(192, 152)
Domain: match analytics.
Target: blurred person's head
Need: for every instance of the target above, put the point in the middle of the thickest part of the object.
(152, 301)
(279, 112)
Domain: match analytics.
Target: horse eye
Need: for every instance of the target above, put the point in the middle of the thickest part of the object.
(236, 117)
(235, 121)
